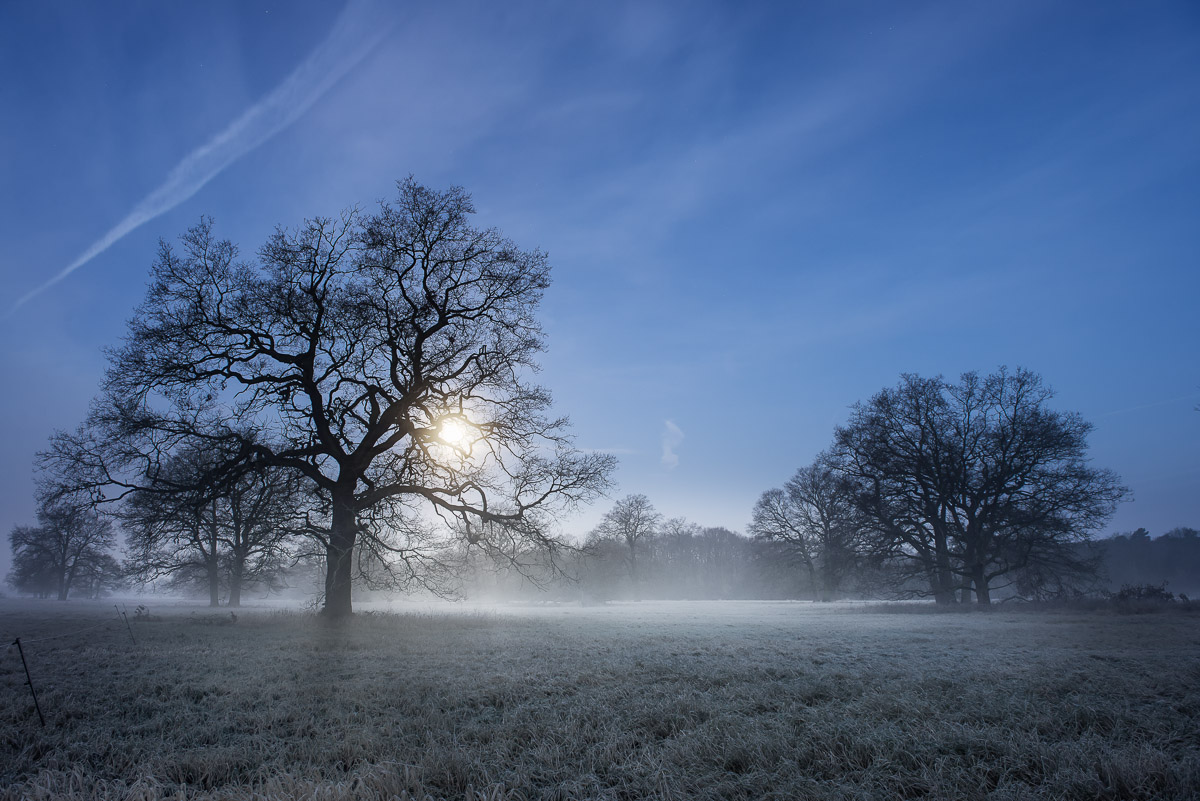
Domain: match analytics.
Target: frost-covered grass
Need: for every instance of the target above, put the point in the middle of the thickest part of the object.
(718, 700)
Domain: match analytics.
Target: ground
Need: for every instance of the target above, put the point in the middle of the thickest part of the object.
(672, 701)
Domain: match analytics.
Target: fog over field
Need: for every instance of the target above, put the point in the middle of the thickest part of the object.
(643, 700)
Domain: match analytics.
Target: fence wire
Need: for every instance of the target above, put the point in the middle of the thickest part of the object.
(26, 641)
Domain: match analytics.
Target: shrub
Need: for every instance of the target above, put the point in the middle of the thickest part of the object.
(1153, 593)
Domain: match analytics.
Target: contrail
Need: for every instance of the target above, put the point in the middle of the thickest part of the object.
(356, 32)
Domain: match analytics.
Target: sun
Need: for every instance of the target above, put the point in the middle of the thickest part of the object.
(455, 433)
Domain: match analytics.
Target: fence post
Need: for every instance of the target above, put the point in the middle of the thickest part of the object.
(29, 681)
(125, 617)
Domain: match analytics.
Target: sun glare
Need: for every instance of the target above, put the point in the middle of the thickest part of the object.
(455, 433)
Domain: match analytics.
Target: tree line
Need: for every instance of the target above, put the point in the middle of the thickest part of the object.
(677, 560)
(1172, 559)
(359, 393)
(223, 545)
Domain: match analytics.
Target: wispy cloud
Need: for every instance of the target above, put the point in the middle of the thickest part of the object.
(637, 205)
(672, 437)
(360, 27)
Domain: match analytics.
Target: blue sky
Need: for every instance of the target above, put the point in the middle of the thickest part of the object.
(758, 213)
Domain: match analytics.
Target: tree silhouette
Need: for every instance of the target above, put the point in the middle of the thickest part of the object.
(631, 520)
(69, 546)
(384, 358)
(977, 482)
(814, 515)
(181, 530)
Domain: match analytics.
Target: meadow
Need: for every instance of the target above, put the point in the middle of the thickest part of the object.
(623, 701)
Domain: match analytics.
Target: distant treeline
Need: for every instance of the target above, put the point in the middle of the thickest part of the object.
(1138, 558)
(688, 562)
(681, 561)
(685, 561)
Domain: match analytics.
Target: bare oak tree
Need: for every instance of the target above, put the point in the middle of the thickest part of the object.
(631, 520)
(890, 449)
(977, 482)
(382, 357)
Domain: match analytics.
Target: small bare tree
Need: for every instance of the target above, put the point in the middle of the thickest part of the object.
(235, 535)
(631, 520)
(71, 543)
(815, 517)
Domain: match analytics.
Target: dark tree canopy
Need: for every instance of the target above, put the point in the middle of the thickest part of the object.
(383, 357)
(978, 482)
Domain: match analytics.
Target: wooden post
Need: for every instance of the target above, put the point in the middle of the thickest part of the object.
(29, 681)
(125, 617)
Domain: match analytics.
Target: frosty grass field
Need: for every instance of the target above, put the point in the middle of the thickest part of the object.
(651, 700)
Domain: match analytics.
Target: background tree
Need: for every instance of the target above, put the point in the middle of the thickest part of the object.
(172, 532)
(631, 520)
(99, 576)
(69, 545)
(887, 450)
(261, 513)
(33, 567)
(382, 357)
(725, 563)
(232, 536)
(676, 557)
(978, 482)
(815, 516)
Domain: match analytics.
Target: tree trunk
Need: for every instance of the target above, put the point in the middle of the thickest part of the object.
(339, 560)
(235, 582)
(637, 595)
(983, 594)
(214, 566)
(828, 579)
(214, 582)
(943, 592)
